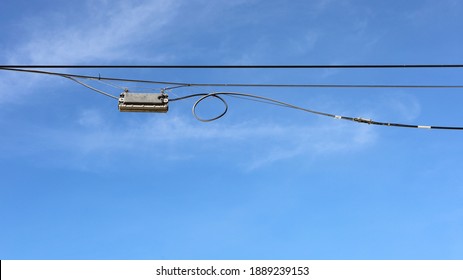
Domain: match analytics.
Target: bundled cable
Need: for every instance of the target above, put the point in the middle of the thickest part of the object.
(219, 95)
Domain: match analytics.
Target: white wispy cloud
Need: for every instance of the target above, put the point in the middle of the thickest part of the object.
(105, 32)
(305, 43)
(425, 13)
(405, 106)
(189, 139)
(108, 30)
(91, 118)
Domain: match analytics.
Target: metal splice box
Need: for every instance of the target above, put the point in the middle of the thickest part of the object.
(143, 102)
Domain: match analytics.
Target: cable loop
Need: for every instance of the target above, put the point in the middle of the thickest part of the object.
(193, 110)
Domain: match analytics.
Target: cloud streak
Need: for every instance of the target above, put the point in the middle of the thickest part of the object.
(110, 30)
(250, 145)
(107, 32)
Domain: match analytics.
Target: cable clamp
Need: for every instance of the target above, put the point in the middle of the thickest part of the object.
(362, 120)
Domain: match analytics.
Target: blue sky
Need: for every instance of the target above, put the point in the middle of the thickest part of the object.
(82, 181)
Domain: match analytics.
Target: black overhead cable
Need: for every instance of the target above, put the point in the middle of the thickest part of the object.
(294, 66)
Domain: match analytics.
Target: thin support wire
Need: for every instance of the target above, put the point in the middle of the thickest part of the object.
(92, 88)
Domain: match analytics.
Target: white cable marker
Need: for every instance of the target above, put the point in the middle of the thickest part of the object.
(425, 126)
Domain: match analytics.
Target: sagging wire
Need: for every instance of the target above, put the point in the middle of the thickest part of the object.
(72, 77)
(218, 95)
(92, 88)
